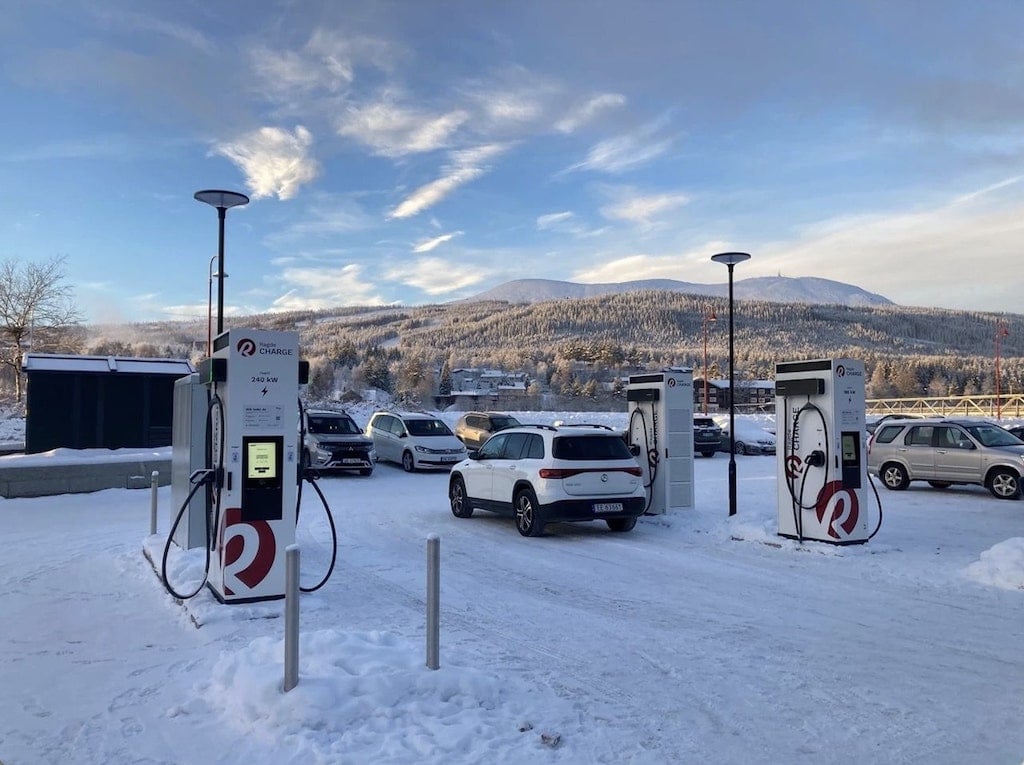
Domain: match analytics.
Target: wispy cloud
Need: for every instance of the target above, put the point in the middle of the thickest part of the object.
(313, 288)
(642, 209)
(325, 65)
(553, 220)
(135, 23)
(275, 161)
(584, 113)
(431, 244)
(466, 165)
(625, 152)
(436, 276)
(394, 131)
(639, 266)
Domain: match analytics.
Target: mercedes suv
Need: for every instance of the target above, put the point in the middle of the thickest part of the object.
(542, 474)
(944, 452)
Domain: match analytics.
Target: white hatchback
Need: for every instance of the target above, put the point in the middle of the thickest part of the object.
(414, 440)
(543, 474)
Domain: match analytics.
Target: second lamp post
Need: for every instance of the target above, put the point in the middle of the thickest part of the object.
(730, 259)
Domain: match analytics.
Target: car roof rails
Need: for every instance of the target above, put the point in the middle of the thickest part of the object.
(535, 425)
(586, 425)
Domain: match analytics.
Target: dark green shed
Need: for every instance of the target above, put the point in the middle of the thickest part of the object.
(90, 402)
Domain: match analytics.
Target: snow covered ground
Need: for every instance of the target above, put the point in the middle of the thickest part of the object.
(694, 638)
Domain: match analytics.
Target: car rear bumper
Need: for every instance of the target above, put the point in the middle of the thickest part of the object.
(583, 509)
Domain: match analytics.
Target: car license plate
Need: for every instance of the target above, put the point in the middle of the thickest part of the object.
(449, 459)
(351, 461)
(607, 507)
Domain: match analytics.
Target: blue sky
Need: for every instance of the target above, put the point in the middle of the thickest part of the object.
(420, 152)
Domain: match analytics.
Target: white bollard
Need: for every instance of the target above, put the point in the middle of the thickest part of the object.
(433, 601)
(291, 617)
(153, 485)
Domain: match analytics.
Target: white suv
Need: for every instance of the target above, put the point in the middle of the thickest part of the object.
(414, 440)
(542, 474)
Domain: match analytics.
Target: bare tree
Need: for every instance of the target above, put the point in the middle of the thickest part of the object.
(36, 310)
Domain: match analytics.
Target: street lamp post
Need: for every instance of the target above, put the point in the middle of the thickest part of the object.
(1002, 330)
(708, 317)
(222, 200)
(730, 259)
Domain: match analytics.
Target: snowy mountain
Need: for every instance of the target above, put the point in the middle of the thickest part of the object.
(777, 289)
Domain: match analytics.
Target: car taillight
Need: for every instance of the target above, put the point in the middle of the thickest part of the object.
(559, 473)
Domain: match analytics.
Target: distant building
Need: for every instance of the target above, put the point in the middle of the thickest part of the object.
(749, 393)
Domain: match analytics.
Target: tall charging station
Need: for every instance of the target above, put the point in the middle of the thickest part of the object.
(822, 458)
(660, 406)
(253, 376)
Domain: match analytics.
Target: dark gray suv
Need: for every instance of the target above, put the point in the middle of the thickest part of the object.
(333, 441)
(944, 452)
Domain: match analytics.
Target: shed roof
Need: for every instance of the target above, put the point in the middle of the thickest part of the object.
(57, 362)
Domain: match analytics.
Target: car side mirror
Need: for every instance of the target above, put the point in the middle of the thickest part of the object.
(634, 449)
(474, 455)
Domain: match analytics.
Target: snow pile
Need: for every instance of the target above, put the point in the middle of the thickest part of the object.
(1002, 565)
(371, 692)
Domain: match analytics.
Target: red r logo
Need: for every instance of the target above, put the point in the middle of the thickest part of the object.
(247, 549)
(794, 466)
(839, 505)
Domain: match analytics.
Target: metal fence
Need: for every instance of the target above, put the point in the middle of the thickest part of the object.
(1006, 405)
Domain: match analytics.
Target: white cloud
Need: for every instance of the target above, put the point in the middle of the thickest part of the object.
(436, 276)
(625, 152)
(553, 220)
(915, 257)
(430, 244)
(585, 112)
(643, 209)
(316, 287)
(275, 161)
(681, 266)
(465, 167)
(325, 65)
(393, 131)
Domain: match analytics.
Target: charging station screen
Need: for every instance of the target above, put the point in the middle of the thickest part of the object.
(261, 459)
(849, 448)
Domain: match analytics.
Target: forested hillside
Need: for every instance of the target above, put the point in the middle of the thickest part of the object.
(566, 344)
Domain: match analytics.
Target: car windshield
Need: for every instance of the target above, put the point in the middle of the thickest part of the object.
(992, 435)
(590, 448)
(427, 428)
(500, 423)
(335, 425)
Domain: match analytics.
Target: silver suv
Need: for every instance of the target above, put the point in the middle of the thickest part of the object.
(944, 452)
(474, 428)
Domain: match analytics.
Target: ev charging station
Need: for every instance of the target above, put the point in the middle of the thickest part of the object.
(822, 461)
(661, 424)
(254, 382)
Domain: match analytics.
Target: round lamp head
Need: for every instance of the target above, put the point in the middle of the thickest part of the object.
(731, 258)
(221, 199)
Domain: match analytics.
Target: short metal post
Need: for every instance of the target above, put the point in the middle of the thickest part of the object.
(291, 617)
(154, 483)
(433, 601)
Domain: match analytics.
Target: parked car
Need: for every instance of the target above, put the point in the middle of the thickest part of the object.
(707, 435)
(1017, 430)
(944, 452)
(542, 474)
(333, 441)
(873, 425)
(474, 428)
(414, 440)
(750, 438)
